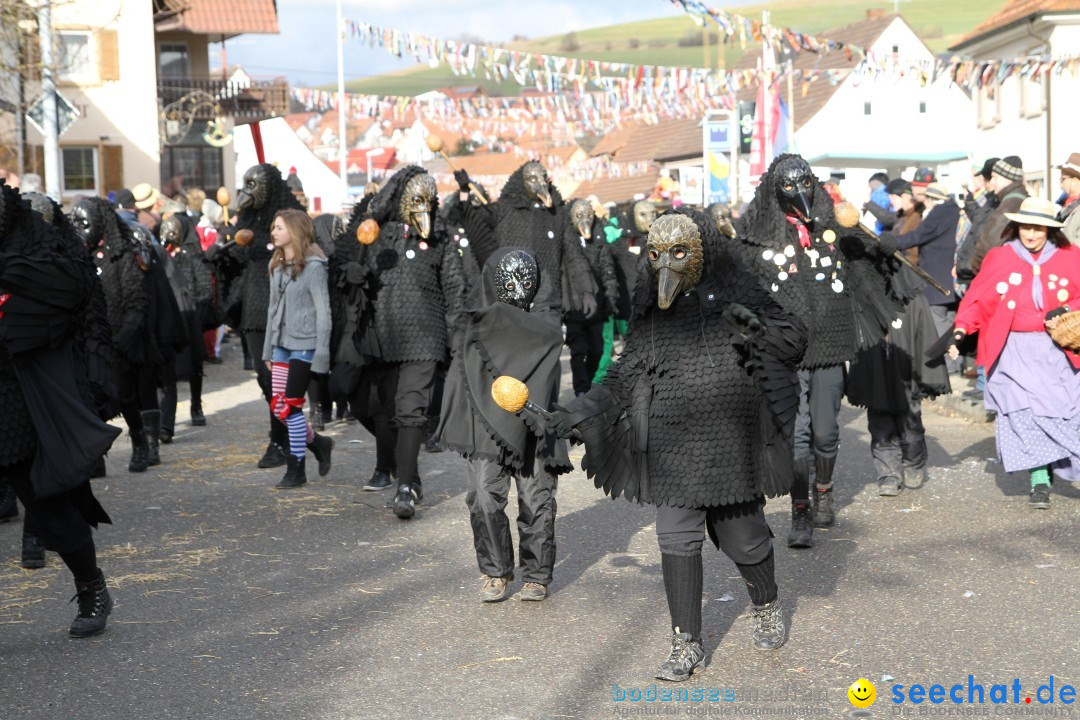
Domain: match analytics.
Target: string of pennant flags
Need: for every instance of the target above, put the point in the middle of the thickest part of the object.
(577, 77)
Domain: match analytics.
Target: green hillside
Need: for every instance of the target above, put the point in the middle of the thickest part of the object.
(668, 41)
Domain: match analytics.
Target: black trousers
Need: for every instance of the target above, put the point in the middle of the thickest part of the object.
(741, 531)
(897, 441)
(391, 400)
(486, 497)
(817, 431)
(255, 340)
(126, 378)
(57, 521)
(585, 338)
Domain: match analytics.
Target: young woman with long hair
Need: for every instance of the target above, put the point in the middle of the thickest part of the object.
(297, 336)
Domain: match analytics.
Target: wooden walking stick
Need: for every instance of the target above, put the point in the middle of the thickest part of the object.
(512, 395)
(435, 144)
(223, 199)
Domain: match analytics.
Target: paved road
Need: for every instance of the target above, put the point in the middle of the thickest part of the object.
(236, 600)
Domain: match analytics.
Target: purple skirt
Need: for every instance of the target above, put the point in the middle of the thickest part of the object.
(1036, 394)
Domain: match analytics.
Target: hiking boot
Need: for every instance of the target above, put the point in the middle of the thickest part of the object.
(769, 630)
(533, 592)
(494, 588)
(824, 515)
(321, 447)
(889, 486)
(1039, 499)
(685, 656)
(273, 457)
(140, 453)
(802, 526)
(8, 509)
(296, 474)
(95, 604)
(914, 478)
(33, 554)
(152, 424)
(380, 480)
(405, 502)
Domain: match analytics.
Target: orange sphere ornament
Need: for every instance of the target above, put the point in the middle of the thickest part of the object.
(244, 237)
(509, 393)
(368, 232)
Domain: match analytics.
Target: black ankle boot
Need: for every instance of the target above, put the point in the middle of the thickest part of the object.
(322, 447)
(273, 457)
(8, 509)
(802, 525)
(95, 604)
(197, 417)
(140, 453)
(152, 426)
(296, 475)
(824, 513)
(33, 554)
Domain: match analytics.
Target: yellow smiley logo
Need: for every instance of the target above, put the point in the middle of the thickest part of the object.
(861, 693)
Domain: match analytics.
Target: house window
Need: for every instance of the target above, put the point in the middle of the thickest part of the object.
(79, 170)
(866, 108)
(895, 49)
(73, 55)
(192, 166)
(173, 61)
(1032, 98)
(922, 108)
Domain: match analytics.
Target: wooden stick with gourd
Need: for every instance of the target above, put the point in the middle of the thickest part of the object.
(435, 144)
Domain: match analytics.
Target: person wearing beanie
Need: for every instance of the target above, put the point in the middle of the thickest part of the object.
(1070, 188)
(1007, 182)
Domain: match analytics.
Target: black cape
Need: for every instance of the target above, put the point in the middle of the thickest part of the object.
(499, 339)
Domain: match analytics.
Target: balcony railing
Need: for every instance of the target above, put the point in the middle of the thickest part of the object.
(244, 101)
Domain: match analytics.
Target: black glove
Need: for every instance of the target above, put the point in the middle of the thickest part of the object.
(588, 306)
(560, 422)
(1057, 311)
(887, 243)
(463, 181)
(612, 306)
(744, 319)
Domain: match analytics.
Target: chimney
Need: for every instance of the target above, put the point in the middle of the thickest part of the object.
(875, 13)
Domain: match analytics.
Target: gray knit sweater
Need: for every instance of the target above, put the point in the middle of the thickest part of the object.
(298, 317)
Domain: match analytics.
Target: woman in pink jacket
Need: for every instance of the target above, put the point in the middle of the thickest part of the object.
(1032, 383)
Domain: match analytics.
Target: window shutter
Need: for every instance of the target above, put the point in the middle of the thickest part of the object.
(113, 167)
(30, 58)
(108, 56)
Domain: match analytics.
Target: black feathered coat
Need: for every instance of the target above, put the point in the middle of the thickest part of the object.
(694, 413)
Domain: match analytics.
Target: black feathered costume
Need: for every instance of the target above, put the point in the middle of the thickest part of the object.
(520, 220)
(497, 338)
(52, 434)
(836, 279)
(407, 295)
(696, 418)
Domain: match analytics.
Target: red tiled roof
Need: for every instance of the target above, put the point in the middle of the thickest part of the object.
(615, 140)
(863, 33)
(483, 164)
(383, 161)
(618, 189)
(1015, 11)
(219, 17)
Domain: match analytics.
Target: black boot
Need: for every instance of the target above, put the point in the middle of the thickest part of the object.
(8, 509)
(824, 514)
(380, 480)
(273, 457)
(197, 417)
(296, 475)
(140, 452)
(95, 604)
(152, 426)
(33, 554)
(321, 447)
(802, 525)
(406, 455)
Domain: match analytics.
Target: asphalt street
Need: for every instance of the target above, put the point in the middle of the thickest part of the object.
(237, 600)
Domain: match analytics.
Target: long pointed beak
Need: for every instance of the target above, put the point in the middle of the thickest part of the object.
(423, 224)
(545, 197)
(585, 231)
(668, 282)
(243, 200)
(803, 206)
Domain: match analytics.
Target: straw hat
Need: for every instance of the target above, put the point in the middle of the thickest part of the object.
(937, 191)
(1036, 211)
(146, 196)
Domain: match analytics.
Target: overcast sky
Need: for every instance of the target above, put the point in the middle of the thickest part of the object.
(305, 51)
